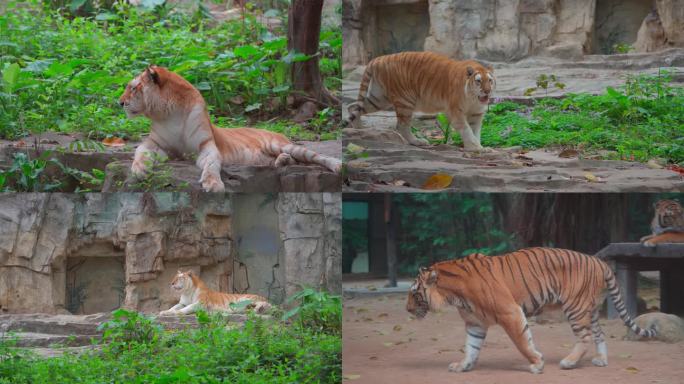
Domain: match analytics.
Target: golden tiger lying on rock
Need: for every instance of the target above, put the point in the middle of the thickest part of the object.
(504, 289)
(181, 127)
(196, 295)
(667, 224)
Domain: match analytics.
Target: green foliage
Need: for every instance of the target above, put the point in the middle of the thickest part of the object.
(444, 126)
(445, 226)
(316, 310)
(45, 173)
(643, 119)
(158, 176)
(136, 350)
(622, 48)
(127, 329)
(66, 73)
(543, 82)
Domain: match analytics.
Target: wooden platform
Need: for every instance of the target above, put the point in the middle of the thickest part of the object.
(630, 258)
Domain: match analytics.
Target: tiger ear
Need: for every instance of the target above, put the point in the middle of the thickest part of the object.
(432, 277)
(153, 74)
(470, 70)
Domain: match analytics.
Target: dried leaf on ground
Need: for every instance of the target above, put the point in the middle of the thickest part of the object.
(351, 377)
(113, 142)
(438, 181)
(397, 328)
(632, 370)
(568, 153)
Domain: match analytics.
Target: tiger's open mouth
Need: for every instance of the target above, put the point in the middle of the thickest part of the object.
(484, 99)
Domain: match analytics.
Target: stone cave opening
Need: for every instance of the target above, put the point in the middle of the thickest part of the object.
(393, 26)
(94, 283)
(616, 24)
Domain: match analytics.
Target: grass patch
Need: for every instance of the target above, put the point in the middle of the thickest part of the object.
(642, 120)
(135, 349)
(65, 73)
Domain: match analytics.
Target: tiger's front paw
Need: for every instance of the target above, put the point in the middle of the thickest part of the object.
(213, 184)
(649, 244)
(477, 149)
(462, 366)
(168, 312)
(138, 169)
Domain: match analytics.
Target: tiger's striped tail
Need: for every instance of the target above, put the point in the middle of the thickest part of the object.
(304, 155)
(358, 108)
(616, 297)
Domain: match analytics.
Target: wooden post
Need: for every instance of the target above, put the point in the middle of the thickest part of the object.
(672, 291)
(627, 280)
(391, 242)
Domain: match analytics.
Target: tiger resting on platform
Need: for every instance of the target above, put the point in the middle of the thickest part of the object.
(195, 295)
(504, 289)
(667, 225)
(181, 127)
(427, 82)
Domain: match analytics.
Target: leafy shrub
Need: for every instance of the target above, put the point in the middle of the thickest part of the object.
(65, 73)
(316, 310)
(135, 349)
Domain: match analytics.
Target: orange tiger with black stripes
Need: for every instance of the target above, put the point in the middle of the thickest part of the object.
(181, 127)
(504, 289)
(195, 295)
(430, 83)
(667, 225)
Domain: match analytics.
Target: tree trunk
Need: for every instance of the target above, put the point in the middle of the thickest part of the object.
(390, 228)
(303, 33)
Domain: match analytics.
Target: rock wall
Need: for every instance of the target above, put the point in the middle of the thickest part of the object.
(91, 253)
(500, 30)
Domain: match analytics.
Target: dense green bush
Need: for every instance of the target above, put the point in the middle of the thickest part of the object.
(136, 350)
(65, 73)
(642, 120)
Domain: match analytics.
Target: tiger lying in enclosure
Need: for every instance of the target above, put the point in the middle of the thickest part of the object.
(667, 225)
(196, 295)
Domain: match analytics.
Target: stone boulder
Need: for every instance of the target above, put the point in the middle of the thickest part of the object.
(670, 328)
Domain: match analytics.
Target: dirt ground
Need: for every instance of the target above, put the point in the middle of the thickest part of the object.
(382, 343)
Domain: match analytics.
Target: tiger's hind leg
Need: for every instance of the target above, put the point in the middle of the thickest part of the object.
(404, 113)
(581, 324)
(475, 336)
(601, 357)
(516, 326)
(372, 101)
(284, 159)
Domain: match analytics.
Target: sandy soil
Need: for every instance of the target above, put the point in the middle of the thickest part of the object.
(382, 343)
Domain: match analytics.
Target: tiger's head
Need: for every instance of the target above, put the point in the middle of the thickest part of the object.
(157, 92)
(480, 83)
(182, 281)
(418, 303)
(669, 213)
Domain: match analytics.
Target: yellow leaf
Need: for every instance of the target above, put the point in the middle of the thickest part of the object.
(113, 142)
(351, 377)
(438, 181)
(397, 328)
(653, 164)
(591, 177)
(388, 344)
(353, 148)
(632, 370)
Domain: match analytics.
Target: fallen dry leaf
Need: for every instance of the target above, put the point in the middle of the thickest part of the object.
(387, 344)
(383, 315)
(438, 181)
(568, 153)
(353, 148)
(632, 370)
(676, 168)
(113, 142)
(373, 358)
(653, 164)
(591, 177)
(625, 356)
(351, 377)
(361, 310)
(397, 328)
